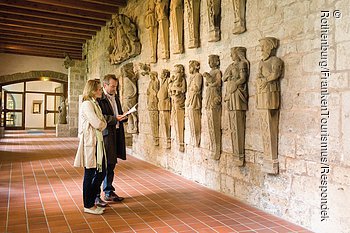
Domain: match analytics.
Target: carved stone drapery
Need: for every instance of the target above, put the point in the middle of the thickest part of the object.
(268, 101)
(162, 15)
(152, 105)
(177, 89)
(193, 11)
(212, 105)
(177, 22)
(194, 101)
(130, 95)
(214, 14)
(236, 99)
(239, 7)
(152, 27)
(125, 43)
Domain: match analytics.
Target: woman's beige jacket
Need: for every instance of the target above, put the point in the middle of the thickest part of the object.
(88, 123)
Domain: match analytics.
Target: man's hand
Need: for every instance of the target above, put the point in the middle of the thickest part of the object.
(121, 117)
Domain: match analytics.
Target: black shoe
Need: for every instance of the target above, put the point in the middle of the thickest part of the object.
(113, 197)
(99, 202)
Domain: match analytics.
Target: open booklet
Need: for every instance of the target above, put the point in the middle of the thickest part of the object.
(131, 110)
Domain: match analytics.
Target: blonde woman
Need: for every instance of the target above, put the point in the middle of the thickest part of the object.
(91, 153)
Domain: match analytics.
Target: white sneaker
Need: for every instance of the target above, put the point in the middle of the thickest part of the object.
(100, 208)
(93, 210)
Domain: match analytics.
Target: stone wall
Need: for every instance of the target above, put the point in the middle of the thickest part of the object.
(76, 83)
(294, 193)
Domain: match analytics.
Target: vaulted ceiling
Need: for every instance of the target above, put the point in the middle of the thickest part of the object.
(52, 28)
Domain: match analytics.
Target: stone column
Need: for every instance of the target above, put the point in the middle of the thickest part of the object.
(76, 83)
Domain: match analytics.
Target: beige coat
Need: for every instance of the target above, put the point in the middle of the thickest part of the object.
(88, 123)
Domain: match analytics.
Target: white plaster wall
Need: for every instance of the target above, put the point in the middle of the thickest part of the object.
(34, 120)
(11, 64)
(294, 193)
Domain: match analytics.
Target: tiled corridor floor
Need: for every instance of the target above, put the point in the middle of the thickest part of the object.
(40, 191)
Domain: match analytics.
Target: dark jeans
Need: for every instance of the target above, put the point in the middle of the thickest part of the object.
(108, 181)
(91, 184)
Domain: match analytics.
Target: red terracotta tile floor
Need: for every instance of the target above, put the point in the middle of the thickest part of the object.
(40, 191)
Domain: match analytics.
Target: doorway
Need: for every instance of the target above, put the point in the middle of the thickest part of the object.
(13, 113)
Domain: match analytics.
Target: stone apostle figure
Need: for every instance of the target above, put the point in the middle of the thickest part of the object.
(212, 105)
(152, 105)
(268, 100)
(177, 22)
(164, 104)
(194, 101)
(162, 15)
(130, 95)
(236, 99)
(62, 109)
(214, 14)
(177, 88)
(152, 27)
(239, 16)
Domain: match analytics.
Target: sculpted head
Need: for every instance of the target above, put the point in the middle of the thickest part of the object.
(194, 66)
(214, 61)
(153, 75)
(237, 53)
(268, 47)
(165, 74)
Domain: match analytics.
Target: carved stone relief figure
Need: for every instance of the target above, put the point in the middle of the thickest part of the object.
(239, 16)
(214, 14)
(177, 22)
(212, 105)
(152, 27)
(162, 15)
(124, 40)
(130, 95)
(236, 99)
(164, 104)
(62, 109)
(193, 11)
(268, 100)
(152, 104)
(194, 102)
(177, 88)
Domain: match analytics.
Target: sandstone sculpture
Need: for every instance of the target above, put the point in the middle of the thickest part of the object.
(239, 16)
(62, 109)
(177, 88)
(212, 105)
(268, 101)
(130, 95)
(164, 104)
(152, 104)
(214, 14)
(162, 15)
(152, 27)
(177, 22)
(236, 99)
(125, 43)
(193, 11)
(194, 101)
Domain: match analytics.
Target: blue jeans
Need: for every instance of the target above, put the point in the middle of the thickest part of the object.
(91, 184)
(108, 181)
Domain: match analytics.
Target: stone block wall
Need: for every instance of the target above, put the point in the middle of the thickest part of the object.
(294, 194)
(76, 83)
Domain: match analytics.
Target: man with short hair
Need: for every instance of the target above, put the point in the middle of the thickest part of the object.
(113, 135)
